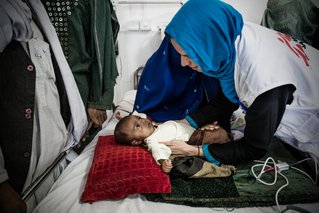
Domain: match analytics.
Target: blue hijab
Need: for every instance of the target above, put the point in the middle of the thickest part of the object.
(206, 30)
(168, 91)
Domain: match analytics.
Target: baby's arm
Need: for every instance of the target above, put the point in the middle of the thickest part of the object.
(166, 165)
(159, 151)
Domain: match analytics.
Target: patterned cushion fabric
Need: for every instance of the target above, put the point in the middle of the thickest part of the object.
(118, 171)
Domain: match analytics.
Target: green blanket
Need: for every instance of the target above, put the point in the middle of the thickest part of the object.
(242, 189)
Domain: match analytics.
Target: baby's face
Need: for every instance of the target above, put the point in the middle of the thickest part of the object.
(139, 128)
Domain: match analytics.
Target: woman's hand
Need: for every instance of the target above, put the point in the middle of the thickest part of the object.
(97, 116)
(179, 147)
(211, 127)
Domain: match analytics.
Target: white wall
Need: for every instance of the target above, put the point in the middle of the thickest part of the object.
(140, 36)
(251, 10)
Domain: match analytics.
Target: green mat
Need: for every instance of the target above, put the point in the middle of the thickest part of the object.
(242, 189)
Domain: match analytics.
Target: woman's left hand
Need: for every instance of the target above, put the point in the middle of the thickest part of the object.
(179, 147)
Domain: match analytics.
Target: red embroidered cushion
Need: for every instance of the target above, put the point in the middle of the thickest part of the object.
(118, 171)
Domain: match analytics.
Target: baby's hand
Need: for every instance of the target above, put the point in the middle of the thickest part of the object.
(167, 165)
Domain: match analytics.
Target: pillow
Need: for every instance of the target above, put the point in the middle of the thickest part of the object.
(118, 171)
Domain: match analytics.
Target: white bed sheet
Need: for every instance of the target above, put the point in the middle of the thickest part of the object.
(65, 194)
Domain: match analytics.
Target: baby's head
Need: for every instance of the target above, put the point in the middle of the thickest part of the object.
(132, 130)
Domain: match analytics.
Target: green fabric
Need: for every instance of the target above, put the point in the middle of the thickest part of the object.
(76, 49)
(241, 189)
(194, 192)
(297, 18)
(105, 28)
(88, 30)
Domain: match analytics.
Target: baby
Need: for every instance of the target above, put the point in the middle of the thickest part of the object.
(136, 129)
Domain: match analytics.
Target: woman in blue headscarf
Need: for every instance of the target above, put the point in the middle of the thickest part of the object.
(176, 91)
(274, 77)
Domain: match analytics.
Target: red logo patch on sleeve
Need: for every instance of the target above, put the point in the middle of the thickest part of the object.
(297, 47)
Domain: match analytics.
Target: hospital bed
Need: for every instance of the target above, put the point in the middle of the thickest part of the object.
(65, 194)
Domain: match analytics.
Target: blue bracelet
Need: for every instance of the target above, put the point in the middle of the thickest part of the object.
(208, 156)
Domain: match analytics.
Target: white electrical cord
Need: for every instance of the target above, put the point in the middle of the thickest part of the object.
(263, 171)
(277, 168)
